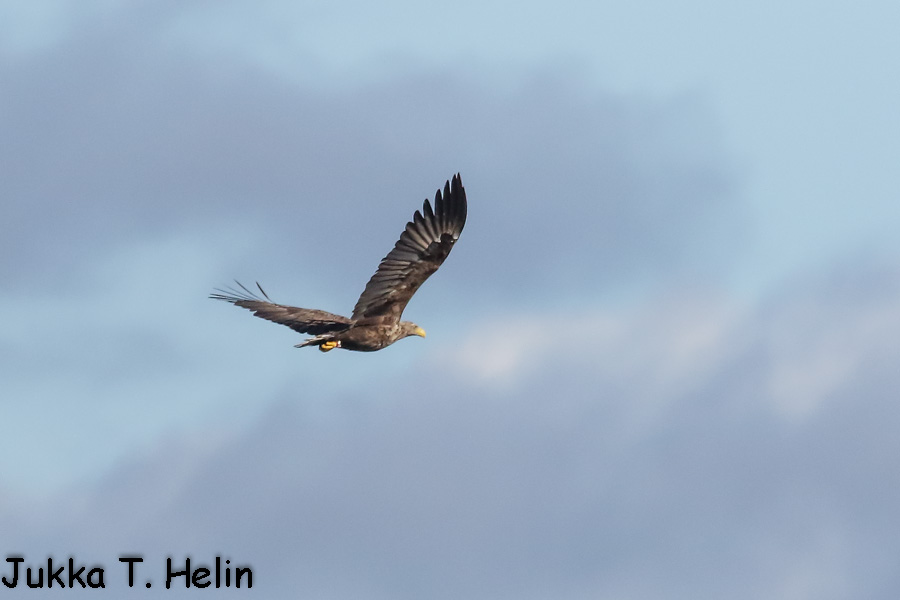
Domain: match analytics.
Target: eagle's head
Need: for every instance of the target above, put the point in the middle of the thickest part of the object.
(408, 328)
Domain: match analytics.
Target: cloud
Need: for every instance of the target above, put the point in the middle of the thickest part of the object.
(818, 346)
(125, 131)
(679, 336)
(588, 422)
(667, 473)
(142, 169)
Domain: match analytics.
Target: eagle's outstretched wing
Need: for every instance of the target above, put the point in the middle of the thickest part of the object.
(303, 320)
(418, 253)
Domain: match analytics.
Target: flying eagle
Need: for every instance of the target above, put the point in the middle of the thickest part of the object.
(375, 322)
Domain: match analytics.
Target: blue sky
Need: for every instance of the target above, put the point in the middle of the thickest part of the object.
(660, 361)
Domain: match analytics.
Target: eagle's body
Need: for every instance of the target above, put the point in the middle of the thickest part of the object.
(375, 322)
(364, 338)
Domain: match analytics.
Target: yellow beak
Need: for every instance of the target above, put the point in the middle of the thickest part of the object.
(420, 332)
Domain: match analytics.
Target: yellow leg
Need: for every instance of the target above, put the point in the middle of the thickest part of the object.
(326, 346)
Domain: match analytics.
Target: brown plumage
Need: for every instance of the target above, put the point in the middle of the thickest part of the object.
(375, 322)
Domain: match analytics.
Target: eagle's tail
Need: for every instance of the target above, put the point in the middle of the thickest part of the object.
(323, 341)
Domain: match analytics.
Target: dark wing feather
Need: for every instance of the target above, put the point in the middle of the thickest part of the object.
(303, 320)
(418, 253)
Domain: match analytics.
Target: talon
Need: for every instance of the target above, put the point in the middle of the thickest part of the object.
(330, 345)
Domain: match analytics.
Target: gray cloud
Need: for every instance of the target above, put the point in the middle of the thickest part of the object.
(688, 446)
(141, 170)
(585, 477)
(122, 130)
(142, 167)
